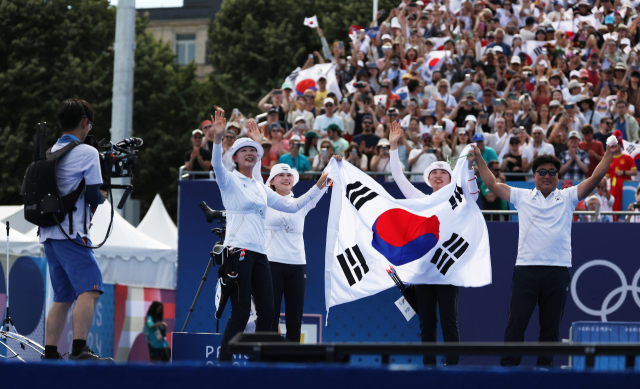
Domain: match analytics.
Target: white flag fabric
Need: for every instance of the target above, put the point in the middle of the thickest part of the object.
(533, 49)
(439, 239)
(380, 100)
(306, 79)
(311, 22)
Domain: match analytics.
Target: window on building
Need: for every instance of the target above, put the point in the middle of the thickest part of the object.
(185, 48)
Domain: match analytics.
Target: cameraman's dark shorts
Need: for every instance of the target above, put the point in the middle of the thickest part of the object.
(73, 269)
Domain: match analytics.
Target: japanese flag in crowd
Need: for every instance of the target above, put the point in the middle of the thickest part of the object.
(306, 79)
(440, 239)
(311, 22)
(633, 149)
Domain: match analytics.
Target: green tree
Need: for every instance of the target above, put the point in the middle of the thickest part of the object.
(51, 51)
(255, 44)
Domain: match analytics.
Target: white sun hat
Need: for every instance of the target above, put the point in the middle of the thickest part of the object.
(439, 165)
(283, 168)
(246, 142)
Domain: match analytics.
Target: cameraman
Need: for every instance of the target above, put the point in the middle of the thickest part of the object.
(246, 199)
(75, 274)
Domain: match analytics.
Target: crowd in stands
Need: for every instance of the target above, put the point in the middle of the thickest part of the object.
(565, 98)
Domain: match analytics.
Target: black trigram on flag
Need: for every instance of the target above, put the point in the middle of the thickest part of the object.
(444, 258)
(538, 50)
(359, 194)
(630, 149)
(457, 195)
(358, 268)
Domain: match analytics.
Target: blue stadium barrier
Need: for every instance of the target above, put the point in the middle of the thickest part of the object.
(600, 332)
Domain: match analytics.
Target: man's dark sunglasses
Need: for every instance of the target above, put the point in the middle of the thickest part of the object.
(371, 122)
(543, 172)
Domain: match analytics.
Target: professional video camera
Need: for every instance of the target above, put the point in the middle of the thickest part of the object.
(116, 160)
(44, 206)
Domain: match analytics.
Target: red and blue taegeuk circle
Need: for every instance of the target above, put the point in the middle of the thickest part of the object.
(404, 237)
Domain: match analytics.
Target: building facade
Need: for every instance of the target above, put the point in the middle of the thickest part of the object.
(186, 30)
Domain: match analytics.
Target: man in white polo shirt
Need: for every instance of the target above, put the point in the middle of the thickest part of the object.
(541, 274)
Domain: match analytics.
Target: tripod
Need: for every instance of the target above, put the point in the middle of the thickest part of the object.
(7, 323)
(217, 251)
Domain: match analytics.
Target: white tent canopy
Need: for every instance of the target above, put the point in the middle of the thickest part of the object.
(158, 225)
(19, 243)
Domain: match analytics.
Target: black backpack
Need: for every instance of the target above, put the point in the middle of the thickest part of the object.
(43, 204)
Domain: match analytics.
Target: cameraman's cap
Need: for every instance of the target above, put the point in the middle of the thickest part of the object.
(573, 134)
(439, 165)
(247, 142)
(281, 168)
(196, 131)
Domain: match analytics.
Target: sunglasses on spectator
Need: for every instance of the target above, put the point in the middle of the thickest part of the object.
(607, 123)
(514, 141)
(543, 172)
(368, 122)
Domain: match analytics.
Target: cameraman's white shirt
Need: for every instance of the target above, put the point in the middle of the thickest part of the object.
(246, 200)
(81, 162)
(284, 240)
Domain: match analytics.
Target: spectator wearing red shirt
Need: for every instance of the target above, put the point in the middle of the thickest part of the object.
(622, 168)
(594, 148)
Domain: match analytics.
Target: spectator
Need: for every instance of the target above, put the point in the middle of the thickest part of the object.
(338, 142)
(208, 139)
(488, 153)
(498, 140)
(625, 123)
(526, 116)
(367, 140)
(294, 159)
(587, 104)
(460, 140)
(593, 205)
(227, 143)
(310, 106)
(310, 149)
(322, 92)
(538, 147)
(468, 106)
(594, 148)
(299, 128)
(155, 331)
(345, 113)
(198, 158)
(268, 159)
(605, 198)
(634, 207)
(512, 161)
(489, 200)
(574, 163)
(279, 103)
(622, 168)
(322, 122)
(355, 157)
(301, 112)
(276, 134)
(543, 117)
(450, 102)
(321, 160)
(380, 161)
(604, 130)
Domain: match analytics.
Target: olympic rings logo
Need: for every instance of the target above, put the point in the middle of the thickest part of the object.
(622, 290)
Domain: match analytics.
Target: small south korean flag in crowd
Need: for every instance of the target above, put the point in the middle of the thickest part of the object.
(311, 22)
(380, 99)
